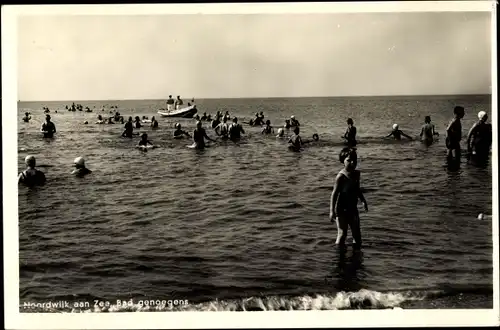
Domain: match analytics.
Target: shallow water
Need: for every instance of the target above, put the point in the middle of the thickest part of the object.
(235, 221)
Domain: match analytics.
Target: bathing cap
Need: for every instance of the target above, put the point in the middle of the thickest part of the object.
(30, 160)
(79, 161)
(481, 114)
(177, 125)
(395, 126)
(293, 117)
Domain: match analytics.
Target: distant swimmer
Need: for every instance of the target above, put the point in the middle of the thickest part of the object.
(154, 122)
(178, 102)
(294, 122)
(144, 141)
(268, 129)
(295, 141)
(281, 133)
(235, 130)
(454, 135)
(428, 132)
(129, 128)
(170, 103)
(31, 176)
(80, 169)
(397, 133)
(179, 133)
(26, 117)
(48, 128)
(479, 140)
(344, 199)
(137, 123)
(199, 136)
(222, 129)
(100, 120)
(350, 133)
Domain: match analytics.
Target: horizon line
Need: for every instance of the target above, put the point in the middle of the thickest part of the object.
(265, 97)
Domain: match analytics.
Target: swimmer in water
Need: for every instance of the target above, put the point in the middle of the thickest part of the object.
(204, 117)
(222, 129)
(144, 141)
(350, 133)
(199, 136)
(110, 120)
(31, 176)
(454, 135)
(154, 122)
(48, 128)
(137, 123)
(428, 132)
(99, 120)
(344, 199)
(397, 133)
(80, 169)
(129, 128)
(268, 129)
(287, 124)
(295, 140)
(479, 140)
(179, 133)
(281, 133)
(26, 117)
(294, 122)
(235, 130)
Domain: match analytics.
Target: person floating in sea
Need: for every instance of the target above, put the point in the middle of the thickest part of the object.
(295, 140)
(235, 130)
(80, 169)
(222, 129)
(294, 122)
(350, 133)
(31, 176)
(454, 135)
(48, 128)
(479, 140)
(268, 129)
(199, 136)
(129, 128)
(344, 199)
(179, 133)
(26, 117)
(397, 133)
(178, 102)
(154, 122)
(428, 132)
(170, 103)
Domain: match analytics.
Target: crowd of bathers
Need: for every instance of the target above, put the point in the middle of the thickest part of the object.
(347, 189)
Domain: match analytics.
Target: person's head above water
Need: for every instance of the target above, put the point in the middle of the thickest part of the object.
(235, 120)
(395, 127)
(79, 162)
(292, 117)
(459, 111)
(137, 118)
(26, 113)
(268, 122)
(427, 119)
(170, 96)
(483, 116)
(99, 117)
(350, 121)
(47, 117)
(144, 136)
(349, 157)
(130, 118)
(177, 125)
(30, 161)
(281, 132)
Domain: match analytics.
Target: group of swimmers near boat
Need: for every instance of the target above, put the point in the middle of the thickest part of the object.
(347, 188)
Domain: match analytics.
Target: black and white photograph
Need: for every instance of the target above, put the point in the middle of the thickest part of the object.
(333, 162)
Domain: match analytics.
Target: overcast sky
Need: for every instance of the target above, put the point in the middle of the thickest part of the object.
(224, 56)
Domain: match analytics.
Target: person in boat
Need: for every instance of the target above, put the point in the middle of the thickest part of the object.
(479, 140)
(80, 168)
(344, 199)
(170, 103)
(294, 122)
(178, 102)
(397, 133)
(48, 128)
(454, 135)
(268, 129)
(204, 117)
(137, 123)
(99, 120)
(287, 124)
(144, 141)
(129, 128)
(281, 133)
(31, 176)
(350, 133)
(199, 136)
(179, 133)
(235, 130)
(222, 129)
(154, 122)
(26, 117)
(428, 131)
(295, 141)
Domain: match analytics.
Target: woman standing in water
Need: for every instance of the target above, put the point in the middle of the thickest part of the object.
(344, 199)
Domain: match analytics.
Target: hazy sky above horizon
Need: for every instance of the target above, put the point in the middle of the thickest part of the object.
(288, 55)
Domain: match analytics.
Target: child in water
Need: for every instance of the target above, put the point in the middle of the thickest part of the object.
(397, 133)
(344, 199)
(428, 131)
(295, 140)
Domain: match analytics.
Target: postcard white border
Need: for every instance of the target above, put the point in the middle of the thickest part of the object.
(191, 320)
